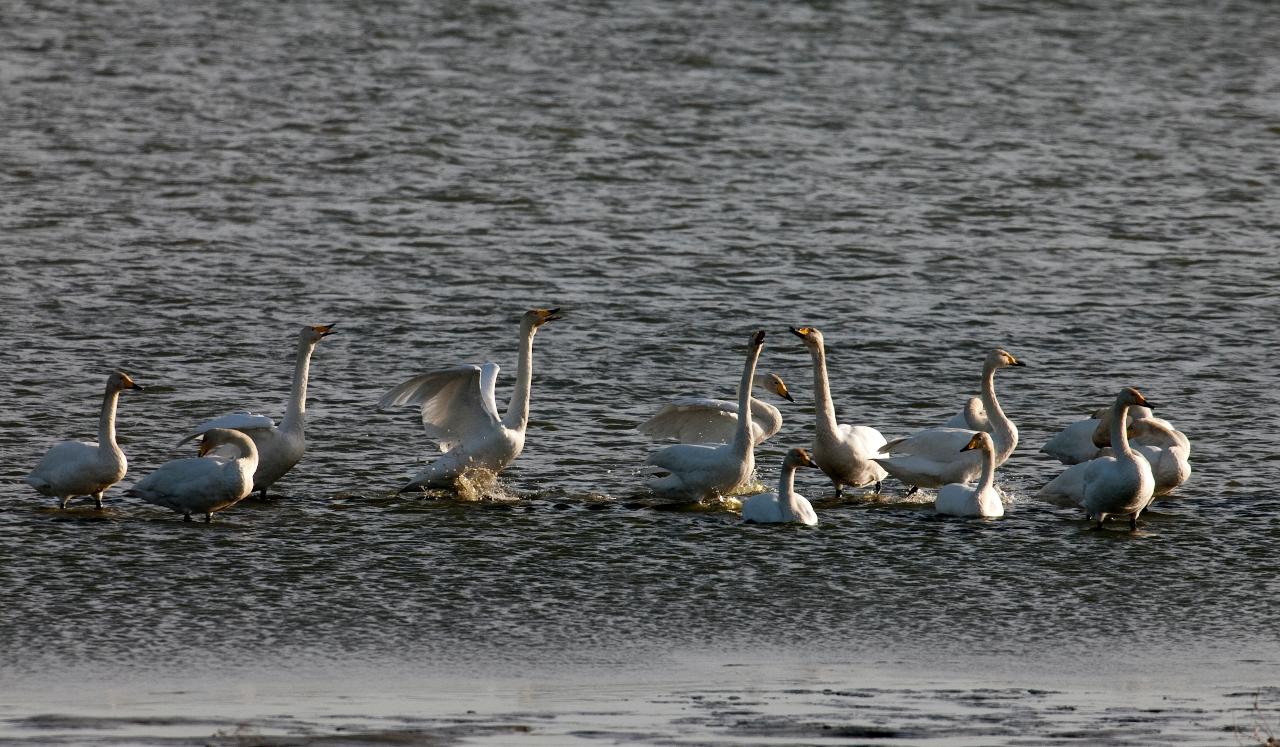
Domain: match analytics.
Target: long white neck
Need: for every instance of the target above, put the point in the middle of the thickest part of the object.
(107, 420)
(744, 438)
(295, 415)
(988, 478)
(787, 489)
(1120, 432)
(517, 416)
(248, 452)
(1003, 432)
(822, 405)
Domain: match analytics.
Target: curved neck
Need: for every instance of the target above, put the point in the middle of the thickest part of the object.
(822, 405)
(787, 489)
(107, 420)
(248, 450)
(1002, 429)
(743, 439)
(294, 415)
(517, 416)
(1120, 431)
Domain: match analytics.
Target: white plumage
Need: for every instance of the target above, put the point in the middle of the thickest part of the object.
(696, 472)
(844, 452)
(933, 457)
(785, 506)
(205, 484)
(704, 420)
(459, 412)
(982, 500)
(73, 468)
(279, 447)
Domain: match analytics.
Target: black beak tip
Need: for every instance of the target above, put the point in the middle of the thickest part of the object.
(788, 397)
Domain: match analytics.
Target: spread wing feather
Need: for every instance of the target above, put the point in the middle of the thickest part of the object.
(457, 402)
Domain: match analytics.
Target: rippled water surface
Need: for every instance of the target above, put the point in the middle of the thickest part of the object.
(1091, 186)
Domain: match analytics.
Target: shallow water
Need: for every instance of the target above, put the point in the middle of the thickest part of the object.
(1092, 188)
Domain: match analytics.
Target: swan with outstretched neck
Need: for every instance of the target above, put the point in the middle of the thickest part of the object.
(216, 480)
(74, 468)
(697, 472)
(280, 447)
(843, 452)
(935, 457)
(958, 499)
(460, 413)
(703, 420)
(785, 506)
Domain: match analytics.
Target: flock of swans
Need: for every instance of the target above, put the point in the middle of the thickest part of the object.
(1119, 460)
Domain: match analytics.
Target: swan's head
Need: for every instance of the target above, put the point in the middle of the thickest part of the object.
(800, 458)
(811, 336)
(215, 437)
(772, 382)
(311, 334)
(757, 339)
(1001, 358)
(537, 317)
(120, 381)
(980, 440)
(1132, 397)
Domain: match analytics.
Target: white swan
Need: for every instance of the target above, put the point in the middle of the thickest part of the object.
(702, 472)
(1164, 447)
(935, 457)
(785, 506)
(72, 468)
(204, 484)
(702, 420)
(279, 448)
(459, 412)
(1080, 441)
(973, 417)
(844, 452)
(1120, 485)
(982, 500)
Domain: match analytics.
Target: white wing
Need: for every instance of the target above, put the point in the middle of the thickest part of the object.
(939, 444)
(695, 420)
(1075, 443)
(240, 421)
(457, 403)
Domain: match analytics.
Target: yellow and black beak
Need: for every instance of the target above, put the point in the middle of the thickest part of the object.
(974, 443)
(782, 392)
(1015, 362)
(548, 315)
(802, 332)
(206, 445)
(758, 337)
(323, 330)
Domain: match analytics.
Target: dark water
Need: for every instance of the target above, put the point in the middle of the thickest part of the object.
(1091, 186)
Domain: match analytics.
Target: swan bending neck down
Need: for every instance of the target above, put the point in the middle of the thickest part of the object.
(981, 500)
(279, 448)
(460, 413)
(1119, 485)
(786, 505)
(935, 457)
(844, 452)
(205, 484)
(702, 420)
(72, 468)
(696, 472)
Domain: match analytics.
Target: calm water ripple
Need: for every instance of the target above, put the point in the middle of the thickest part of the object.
(1091, 186)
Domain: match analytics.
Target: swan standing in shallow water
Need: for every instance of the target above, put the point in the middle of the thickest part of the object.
(1120, 485)
(702, 420)
(785, 506)
(72, 468)
(203, 484)
(982, 500)
(844, 452)
(279, 448)
(935, 457)
(702, 472)
(459, 412)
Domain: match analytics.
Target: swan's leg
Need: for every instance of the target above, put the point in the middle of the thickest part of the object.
(263, 493)
(97, 500)
(208, 517)
(64, 500)
(913, 490)
(1101, 518)
(186, 517)
(877, 487)
(1133, 521)
(839, 487)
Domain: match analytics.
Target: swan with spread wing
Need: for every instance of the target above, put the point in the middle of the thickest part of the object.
(701, 420)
